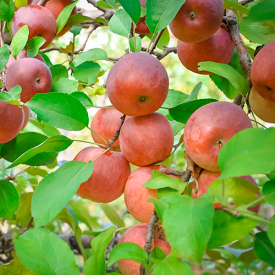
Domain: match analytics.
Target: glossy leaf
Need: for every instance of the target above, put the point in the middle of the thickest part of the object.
(133, 8)
(4, 56)
(58, 71)
(6, 10)
(60, 110)
(64, 85)
(268, 192)
(112, 215)
(76, 19)
(90, 55)
(57, 189)
(242, 155)
(33, 46)
(160, 206)
(13, 96)
(262, 11)
(87, 72)
(135, 44)
(232, 4)
(47, 254)
(120, 23)
(19, 41)
(174, 98)
(83, 98)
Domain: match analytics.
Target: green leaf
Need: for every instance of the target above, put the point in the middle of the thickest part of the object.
(160, 206)
(226, 71)
(23, 213)
(19, 41)
(9, 200)
(271, 230)
(174, 98)
(137, 41)
(182, 112)
(264, 249)
(268, 192)
(163, 41)
(195, 92)
(60, 110)
(194, 223)
(232, 4)
(47, 254)
(57, 189)
(76, 19)
(133, 8)
(160, 13)
(242, 155)
(112, 3)
(58, 72)
(53, 144)
(95, 265)
(64, 85)
(68, 215)
(120, 23)
(46, 59)
(112, 215)
(14, 268)
(64, 16)
(75, 30)
(36, 171)
(262, 11)
(12, 96)
(129, 251)
(20, 3)
(172, 266)
(228, 228)
(6, 10)
(33, 46)
(87, 72)
(4, 56)
(90, 55)
(45, 128)
(24, 142)
(83, 98)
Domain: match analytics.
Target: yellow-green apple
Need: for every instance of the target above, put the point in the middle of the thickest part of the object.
(264, 109)
(11, 121)
(145, 140)
(137, 84)
(32, 75)
(218, 48)
(197, 20)
(111, 171)
(137, 234)
(209, 128)
(40, 21)
(142, 27)
(262, 72)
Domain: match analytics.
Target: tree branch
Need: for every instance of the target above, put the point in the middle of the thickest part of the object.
(244, 2)
(156, 41)
(116, 135)
(41, 2)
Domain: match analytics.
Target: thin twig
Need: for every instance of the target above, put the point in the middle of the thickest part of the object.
(156, 41)
(42, 2)
(244, 2)
(116, 135)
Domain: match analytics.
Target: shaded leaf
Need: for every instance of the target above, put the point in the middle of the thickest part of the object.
(120, 23)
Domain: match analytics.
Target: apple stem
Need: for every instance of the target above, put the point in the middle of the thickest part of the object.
(156, 41)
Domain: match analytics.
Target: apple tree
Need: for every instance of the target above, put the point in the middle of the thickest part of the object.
(152, 154)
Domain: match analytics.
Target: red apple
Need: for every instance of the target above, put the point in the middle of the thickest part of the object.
(137, 234)
(32, 75)
(39, 20)
(209, 128)
(27, 113)
(11, 121)
(197, 20)
(262, 72)
(207, 177)
(142, 28)
(136, 196)
(264, 109)
(105, 123)
(109, 177)
(147, 139)
(218, 48)
(137, 84)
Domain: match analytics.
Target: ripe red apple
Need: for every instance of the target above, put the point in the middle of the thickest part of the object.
(32, 75)
(142, 28)
(136, 196)
(262, 72)
(264, 109)
(147, 139)
(109, 177)
(105, 123)
(137, 234)
(137, 84)
(11, 121)
(207, 177)
(39, 20)
(218, 48)
(197, 20)
(55, 7)
(23, 54)
(209, 128)
(27, 113)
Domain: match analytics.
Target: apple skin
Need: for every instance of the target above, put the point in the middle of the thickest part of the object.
(27, 114)
(40, 21)
(209, 128)
(11, 121)
(137, 234)
(207, 177)
(105, 123)
(32, 75)
(262, 108)
(23, 54)
(109, 177)
(218, 48)
(136, 196)
(197, 20)
(142, 28)
(147, 139)
(137, 84)
(262, 72)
